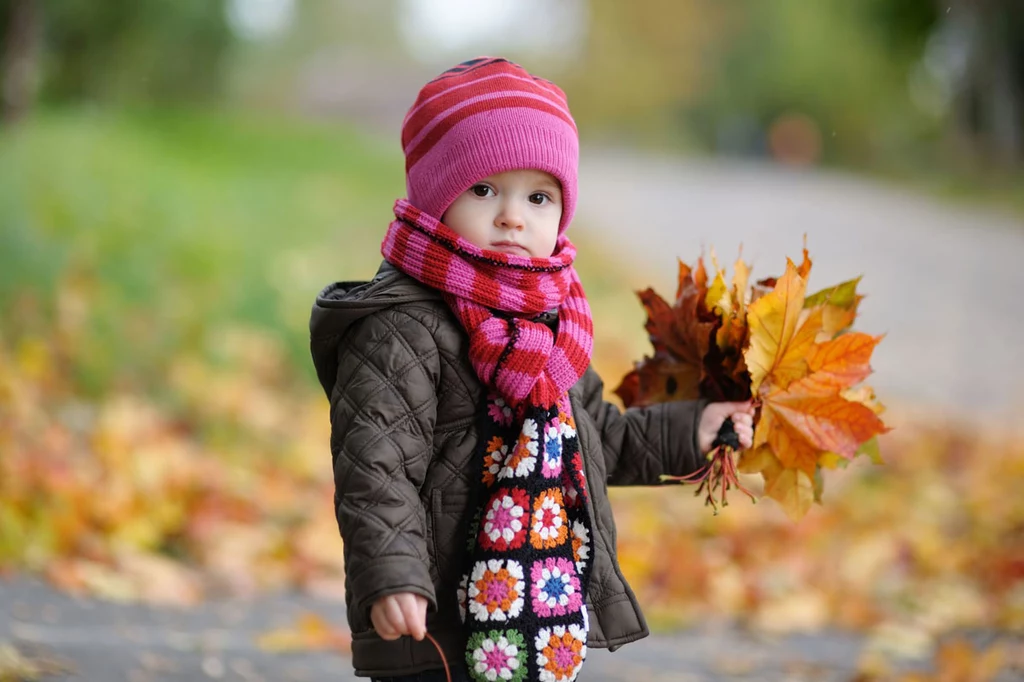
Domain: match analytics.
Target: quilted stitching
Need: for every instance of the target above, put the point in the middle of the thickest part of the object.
(390, 361)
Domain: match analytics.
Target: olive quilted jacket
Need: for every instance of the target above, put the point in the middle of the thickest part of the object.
(404, 404)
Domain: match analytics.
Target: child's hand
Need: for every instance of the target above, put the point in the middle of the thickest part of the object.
(716, 413)
(400, 614)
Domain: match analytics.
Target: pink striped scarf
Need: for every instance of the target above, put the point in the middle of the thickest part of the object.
(521, 359)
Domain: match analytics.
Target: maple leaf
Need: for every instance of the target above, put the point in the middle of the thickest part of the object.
(697, 277)
(865, 395)
(805, 265)
(801, 422)
(758, 459)
(658, 380)
(842, 362)
(677, 331)
(793, 489)
(839, 307)
(731, 337)
(680, 339)
(780, 336)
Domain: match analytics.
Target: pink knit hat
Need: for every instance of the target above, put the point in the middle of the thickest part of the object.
(482, 117)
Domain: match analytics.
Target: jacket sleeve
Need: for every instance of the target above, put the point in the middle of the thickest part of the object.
(383, 411)
(642, 443)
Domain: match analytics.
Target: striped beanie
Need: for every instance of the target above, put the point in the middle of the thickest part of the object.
(482, 117)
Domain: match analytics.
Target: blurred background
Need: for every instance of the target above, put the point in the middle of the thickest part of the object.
(179, 179)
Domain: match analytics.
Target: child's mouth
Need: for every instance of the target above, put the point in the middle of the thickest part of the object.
(510, 247)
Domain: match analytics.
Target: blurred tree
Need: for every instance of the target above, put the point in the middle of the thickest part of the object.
(871, 84)
(643, 63)
(823, 62)
(973, 50)
(20, 32)
(904, 24)
(122, 50)
(989, 88)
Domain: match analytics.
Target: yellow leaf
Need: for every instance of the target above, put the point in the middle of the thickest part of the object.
(834, 320)
(865, 395)
(794, 490)
(740, 277)
(718, 296)
(839, 307)
(758, 460)
(831, 460)
(778, 342)
(310, 632)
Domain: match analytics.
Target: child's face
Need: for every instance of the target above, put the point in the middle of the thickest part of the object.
(514, 212)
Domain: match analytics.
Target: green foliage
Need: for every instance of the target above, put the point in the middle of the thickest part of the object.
(134, 50)
(166, 226)
(826, 60)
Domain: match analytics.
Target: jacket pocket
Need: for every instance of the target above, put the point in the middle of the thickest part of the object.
(448, 515)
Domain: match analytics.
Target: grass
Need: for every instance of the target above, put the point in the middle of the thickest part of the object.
(165, 224)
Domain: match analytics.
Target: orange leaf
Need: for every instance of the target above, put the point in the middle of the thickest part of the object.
(805, 266)
(698, 277)
(805, 420)
(844, 361)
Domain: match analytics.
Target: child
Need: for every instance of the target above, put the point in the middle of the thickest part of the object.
(470, 441)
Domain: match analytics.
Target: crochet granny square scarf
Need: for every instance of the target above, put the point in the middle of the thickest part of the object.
(529, 546)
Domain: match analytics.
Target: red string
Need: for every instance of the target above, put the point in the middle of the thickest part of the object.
(444, 660)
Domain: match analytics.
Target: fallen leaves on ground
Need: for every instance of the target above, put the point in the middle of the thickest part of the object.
(18, 666)
(954, 660)
(929, 544)
(222, 485)
(310, 632)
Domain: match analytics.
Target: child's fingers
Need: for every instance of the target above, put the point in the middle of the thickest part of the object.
(395, 617)
(415, 620)
(381, 622)
(388, 634)
(745, 432)
(421, 614)
(742, 419)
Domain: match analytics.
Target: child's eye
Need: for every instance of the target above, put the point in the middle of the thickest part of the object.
(539, 198)
(481, 190)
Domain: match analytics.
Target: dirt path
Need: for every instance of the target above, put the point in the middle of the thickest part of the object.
(107, 642)
(944, 282)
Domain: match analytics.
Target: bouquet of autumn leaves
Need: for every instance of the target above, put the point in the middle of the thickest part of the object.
(794, 355)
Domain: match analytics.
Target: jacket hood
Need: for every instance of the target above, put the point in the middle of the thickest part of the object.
(342, 304)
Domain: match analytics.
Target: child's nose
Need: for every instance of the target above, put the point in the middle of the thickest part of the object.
(510, 217)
